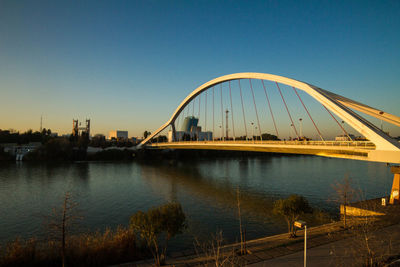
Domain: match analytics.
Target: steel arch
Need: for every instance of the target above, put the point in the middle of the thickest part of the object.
(339, 105)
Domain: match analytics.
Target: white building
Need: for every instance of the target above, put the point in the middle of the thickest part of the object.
(117, 134)
(196, 134)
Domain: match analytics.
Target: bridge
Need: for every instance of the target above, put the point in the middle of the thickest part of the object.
(374, 144)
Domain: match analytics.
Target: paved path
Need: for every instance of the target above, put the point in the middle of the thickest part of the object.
(328, 245)
(347, 252)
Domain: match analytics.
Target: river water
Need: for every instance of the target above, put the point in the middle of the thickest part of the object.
(108, 193)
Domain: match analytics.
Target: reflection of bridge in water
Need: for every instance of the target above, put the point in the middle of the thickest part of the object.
(380, 146)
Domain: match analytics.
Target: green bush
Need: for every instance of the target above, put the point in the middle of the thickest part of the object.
(291, 209)
(168, 219)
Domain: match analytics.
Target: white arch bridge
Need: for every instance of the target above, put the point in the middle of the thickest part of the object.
(377, 146)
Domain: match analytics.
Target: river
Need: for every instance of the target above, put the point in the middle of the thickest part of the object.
(108, 193)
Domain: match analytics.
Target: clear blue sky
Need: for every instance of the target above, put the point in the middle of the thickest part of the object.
(128, 64)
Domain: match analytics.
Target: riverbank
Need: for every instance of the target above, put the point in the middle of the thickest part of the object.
(62, 150)
(364, 240)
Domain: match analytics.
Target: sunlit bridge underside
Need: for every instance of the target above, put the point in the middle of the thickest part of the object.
(269, 113)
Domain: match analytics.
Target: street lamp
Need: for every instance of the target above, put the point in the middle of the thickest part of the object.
(301, 134)
(222, 133)
(301, 224)
(291, 131)
(252, 125)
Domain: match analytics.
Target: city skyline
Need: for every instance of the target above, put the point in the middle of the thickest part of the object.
(128, 65)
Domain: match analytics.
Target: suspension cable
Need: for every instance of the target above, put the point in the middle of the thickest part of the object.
(222, 114)
(244, 117)
(309, 115)
(233, 125)
(287, 110)
(199, 106)
(255, 107)
(338, 124)
(198, 120)
(270, 109)
(205, 114)
(213, 114)
(193, 102)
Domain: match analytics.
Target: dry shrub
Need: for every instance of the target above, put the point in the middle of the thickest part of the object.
(93, 249)
(18, 253)
(213, 253)
(98, 249)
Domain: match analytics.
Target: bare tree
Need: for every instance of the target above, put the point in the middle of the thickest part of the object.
(345, 193)
(213, 253)
(62, 221)
(243, 249)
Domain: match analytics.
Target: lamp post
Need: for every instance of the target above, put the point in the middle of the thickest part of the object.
(252, 125)
(301, 224)
(301, 132)
(222, 132)
(291, 131)
(380, 113)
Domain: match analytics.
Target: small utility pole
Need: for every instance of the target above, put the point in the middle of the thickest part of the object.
(41, 123)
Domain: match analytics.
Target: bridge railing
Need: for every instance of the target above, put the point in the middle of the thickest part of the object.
(358, 144)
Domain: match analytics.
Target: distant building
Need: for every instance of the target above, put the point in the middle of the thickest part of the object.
(189, 123)
(190, 131)
(20, 150)
(78, 130)
(118, 135)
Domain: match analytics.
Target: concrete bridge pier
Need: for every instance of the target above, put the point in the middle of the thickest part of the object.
(173, 132)
(395, 193)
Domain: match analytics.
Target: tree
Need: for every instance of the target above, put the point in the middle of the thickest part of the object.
(98, 140)
(83, 141)
(267, 136)
(146, 133)
(161, 139)
(62, 222)
(58, 149)
(291, 209)
(243, 249)
(344, 194)
(168, 219)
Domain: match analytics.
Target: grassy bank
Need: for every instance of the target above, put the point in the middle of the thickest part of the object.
(92, 249)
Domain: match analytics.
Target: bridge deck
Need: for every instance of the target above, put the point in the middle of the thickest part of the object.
(353, 150)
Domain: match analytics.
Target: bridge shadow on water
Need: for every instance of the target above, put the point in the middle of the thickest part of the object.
(206, 184)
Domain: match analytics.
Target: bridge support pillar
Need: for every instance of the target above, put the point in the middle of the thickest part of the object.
(173, 132)
(395, 194)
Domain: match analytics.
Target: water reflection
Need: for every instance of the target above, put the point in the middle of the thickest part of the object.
(219, 192)
(109, 193)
